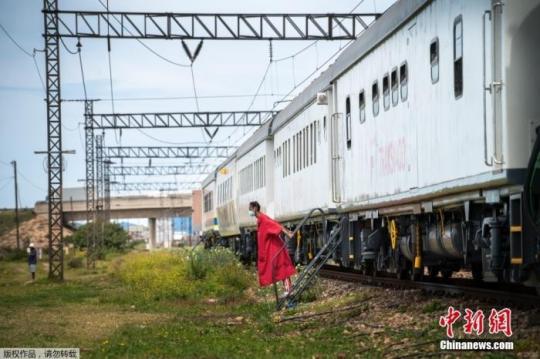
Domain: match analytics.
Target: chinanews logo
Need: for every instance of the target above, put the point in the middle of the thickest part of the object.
(499, 322)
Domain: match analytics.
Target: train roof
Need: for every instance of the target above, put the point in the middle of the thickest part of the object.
(258, 136)
(209, 179)
(226, 161)
(377, 32)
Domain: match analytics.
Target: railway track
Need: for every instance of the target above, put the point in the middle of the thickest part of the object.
(489, 292)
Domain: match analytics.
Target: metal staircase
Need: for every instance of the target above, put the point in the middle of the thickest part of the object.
(308, 274)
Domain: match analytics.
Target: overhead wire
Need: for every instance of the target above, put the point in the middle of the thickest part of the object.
(142, 43)
(118, 141)
(29, 181)
(39, 72)
(314, 42)
(67, 48)
(292, 57)
(82, 72)
(28, 53)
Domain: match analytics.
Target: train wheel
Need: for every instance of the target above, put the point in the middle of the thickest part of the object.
(368, 268)
(433, 271)
(476, 271)
(446, 273)
(402, 273)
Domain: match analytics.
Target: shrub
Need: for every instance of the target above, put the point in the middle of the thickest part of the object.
(184, 274)
(75, 262)
(12, 254)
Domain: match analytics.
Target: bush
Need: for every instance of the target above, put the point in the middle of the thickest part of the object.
(184, 274)
(75, 262)
(12, 254)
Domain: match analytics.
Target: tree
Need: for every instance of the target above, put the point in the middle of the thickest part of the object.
(114, 236)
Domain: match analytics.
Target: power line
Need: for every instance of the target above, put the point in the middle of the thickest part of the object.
(67, 48)
(15, 41)
(82, 72)
(106, 6)
(39, 72)
(316, 41)
(30, 182)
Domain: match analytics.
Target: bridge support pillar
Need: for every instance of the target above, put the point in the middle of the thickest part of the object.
(152, 232)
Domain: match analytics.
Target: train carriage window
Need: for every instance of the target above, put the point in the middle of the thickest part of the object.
(394, 85)
(434, 60)
(305, 142)
(324, 127)
(311, 141)
(386, 92)
(458, 57)
(348, 121)
(317, 130)
(263, 178)
(299, 151)
(362, 106)
(306, 146)
(288, 156)
(294, 154)
(375, 98)
(284, 158)
(403, 81)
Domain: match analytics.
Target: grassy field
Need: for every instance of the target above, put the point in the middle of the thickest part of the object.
(166, 305)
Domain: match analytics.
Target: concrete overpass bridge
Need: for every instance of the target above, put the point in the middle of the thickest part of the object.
(128, 207)
(177, 205)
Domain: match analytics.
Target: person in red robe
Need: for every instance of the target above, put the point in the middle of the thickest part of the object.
(273, 260)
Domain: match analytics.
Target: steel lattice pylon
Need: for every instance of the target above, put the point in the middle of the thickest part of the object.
(180, 119)
(155, 186)
(54, 140)
(107, 190)
(187, 169)
(99, 196)
(90, 185)
(78, 24)
(169, 151)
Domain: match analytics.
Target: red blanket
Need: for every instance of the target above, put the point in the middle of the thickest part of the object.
(271, 256)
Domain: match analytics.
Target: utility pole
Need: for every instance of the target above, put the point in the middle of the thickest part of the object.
(14, 163)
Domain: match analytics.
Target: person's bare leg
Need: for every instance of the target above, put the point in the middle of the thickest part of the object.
(287, 285)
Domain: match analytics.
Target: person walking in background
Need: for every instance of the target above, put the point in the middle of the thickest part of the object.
(273, 260)
(32, 259)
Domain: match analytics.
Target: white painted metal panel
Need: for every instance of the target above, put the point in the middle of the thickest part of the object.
(432, 137)
(299, 192)
(263, 195)
(227, 211)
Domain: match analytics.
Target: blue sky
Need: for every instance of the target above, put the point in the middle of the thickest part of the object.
(222, 68)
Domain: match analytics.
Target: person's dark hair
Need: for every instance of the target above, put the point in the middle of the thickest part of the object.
(255, 205)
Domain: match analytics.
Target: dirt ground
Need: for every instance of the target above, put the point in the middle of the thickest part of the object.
(34, 230)
(405, 323)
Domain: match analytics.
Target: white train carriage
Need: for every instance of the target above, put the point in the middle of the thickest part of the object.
(416, 119)
(226, 197)
(301, 147)
(209, 216)
(255, 168)
(420, 133)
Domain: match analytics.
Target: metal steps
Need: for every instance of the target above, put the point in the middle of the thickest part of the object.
(307, 275)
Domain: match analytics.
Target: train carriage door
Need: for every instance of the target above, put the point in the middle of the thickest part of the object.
(407, 156)
(336, 156)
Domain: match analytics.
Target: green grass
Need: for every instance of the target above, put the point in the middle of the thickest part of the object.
(107, 314)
